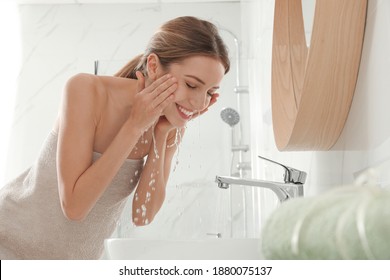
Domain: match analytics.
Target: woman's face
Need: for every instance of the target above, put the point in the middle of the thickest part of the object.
(198, 78)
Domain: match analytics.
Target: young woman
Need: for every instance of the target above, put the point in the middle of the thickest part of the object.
(113, 135)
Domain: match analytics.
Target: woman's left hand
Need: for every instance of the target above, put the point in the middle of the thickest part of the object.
(213, 100)
(163, 125)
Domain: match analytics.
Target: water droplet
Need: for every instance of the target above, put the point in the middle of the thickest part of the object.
(143, 210)
(154, 145)
(152, 182)
(146, 221)
(148, 196)
(178, 139)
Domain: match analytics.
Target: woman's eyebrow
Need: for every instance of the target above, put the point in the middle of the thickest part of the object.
(199, 80)
(196, 78)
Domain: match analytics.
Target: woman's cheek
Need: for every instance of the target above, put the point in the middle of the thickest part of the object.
(179, 92)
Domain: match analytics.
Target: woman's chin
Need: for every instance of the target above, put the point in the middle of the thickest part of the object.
(178, 123)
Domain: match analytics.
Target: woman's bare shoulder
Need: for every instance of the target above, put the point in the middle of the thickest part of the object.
(83, 86)
(100, 82)
(84, 95)
(84, 81)
(116, 82)
(95, 89)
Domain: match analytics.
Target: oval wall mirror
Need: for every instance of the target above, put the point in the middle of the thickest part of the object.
(312, 88)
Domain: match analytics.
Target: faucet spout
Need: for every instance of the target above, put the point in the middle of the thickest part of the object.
(283, 191)
(292, 186)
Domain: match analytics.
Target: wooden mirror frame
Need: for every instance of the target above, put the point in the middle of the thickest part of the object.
(312, 88)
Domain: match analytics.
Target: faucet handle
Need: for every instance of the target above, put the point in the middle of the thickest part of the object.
(291, 175)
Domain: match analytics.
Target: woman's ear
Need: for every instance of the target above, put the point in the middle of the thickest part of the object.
(153, 66)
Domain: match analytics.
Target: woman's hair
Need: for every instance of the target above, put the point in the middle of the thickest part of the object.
(177, 40)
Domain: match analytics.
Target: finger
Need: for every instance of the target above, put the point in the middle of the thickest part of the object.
(212, 102)
(168, 100)
(158, 82)
(214, 99)
(140, 81)
(164, 95)
(164, 86)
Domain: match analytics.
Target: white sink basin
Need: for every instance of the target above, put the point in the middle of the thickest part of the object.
(205, 249)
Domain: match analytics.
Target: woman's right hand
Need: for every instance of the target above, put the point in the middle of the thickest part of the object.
(149, 102)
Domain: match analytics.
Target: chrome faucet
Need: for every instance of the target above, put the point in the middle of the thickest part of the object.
(292, 186)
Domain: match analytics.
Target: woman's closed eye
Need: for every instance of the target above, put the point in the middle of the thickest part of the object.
(191, 86)
(194, 87)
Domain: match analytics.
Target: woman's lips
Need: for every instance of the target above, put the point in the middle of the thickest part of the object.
(183, 112)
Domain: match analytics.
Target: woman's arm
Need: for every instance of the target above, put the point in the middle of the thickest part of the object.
(81, 182)
(150, 193)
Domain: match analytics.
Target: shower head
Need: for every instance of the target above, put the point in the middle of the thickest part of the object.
(230, 116)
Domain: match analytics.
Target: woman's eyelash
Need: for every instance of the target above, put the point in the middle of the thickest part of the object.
(194, 87)
(190, 86)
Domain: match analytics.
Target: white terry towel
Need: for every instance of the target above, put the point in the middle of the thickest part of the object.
(32, 225)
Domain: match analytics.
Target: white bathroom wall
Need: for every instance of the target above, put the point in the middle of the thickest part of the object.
(365, 142)
(59, 41)
(9, 56)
